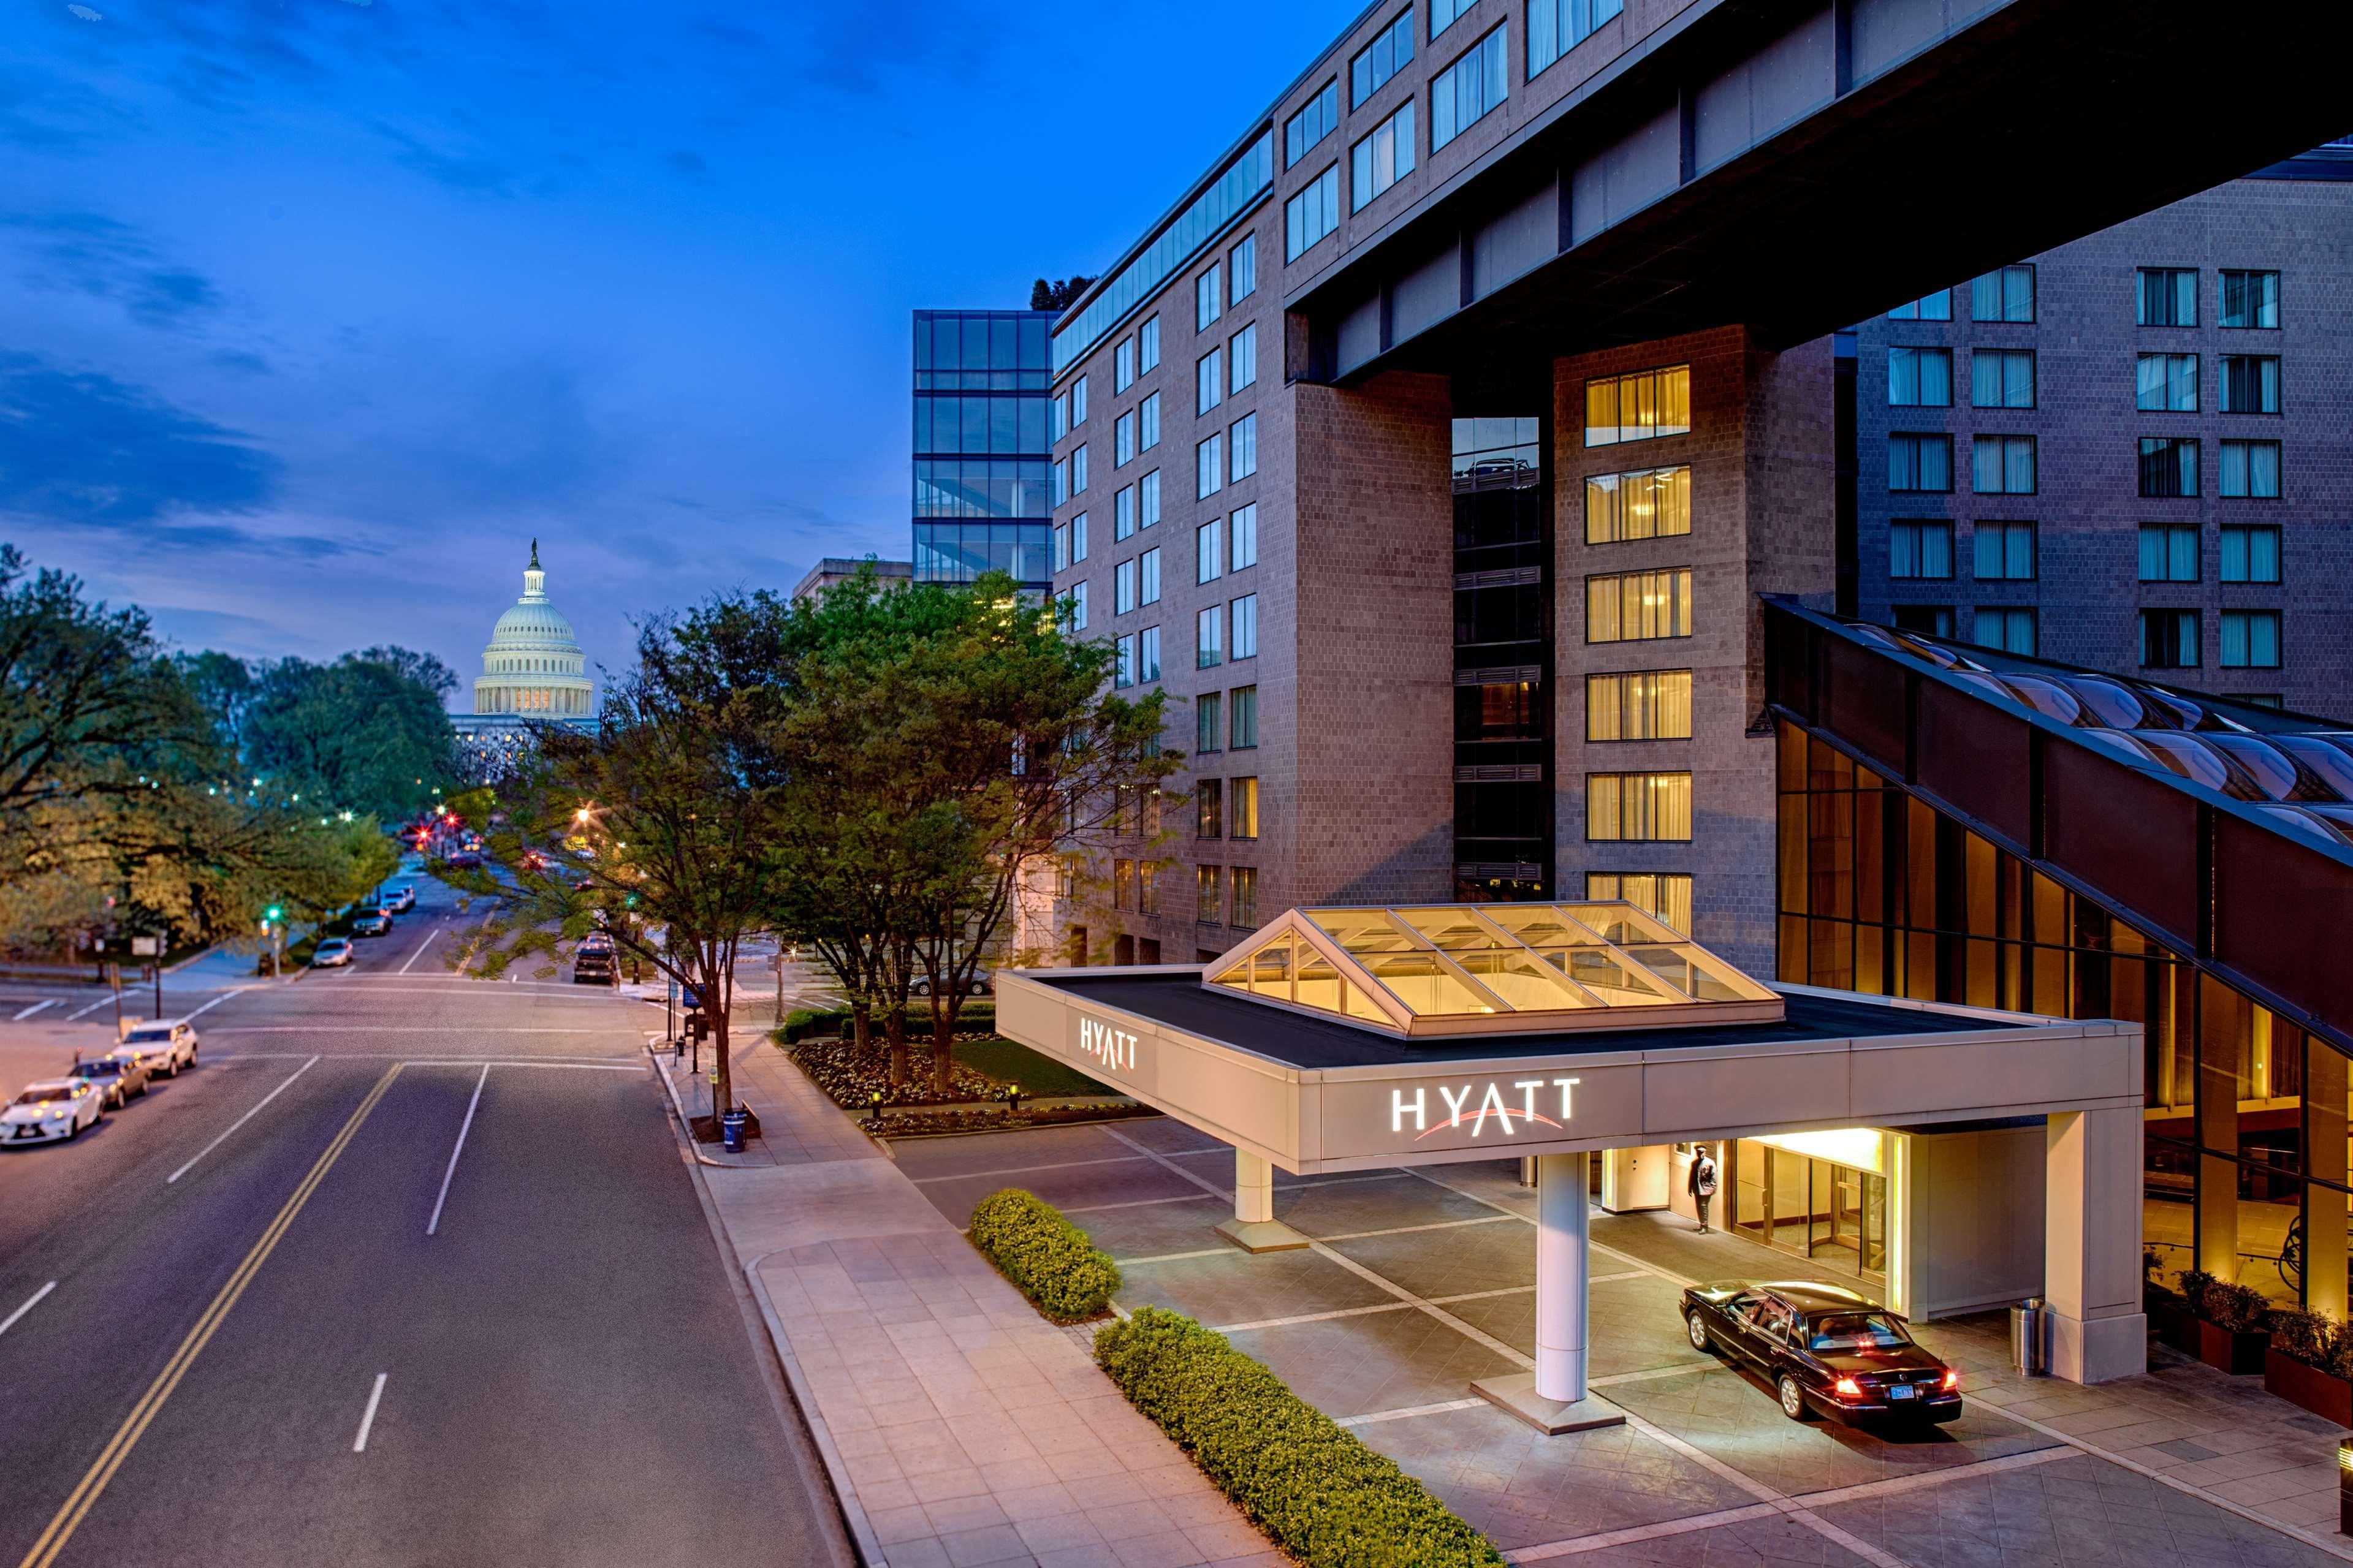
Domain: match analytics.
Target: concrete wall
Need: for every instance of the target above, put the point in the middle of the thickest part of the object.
(1974, 1209)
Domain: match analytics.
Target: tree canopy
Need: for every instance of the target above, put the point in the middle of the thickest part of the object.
(368, 733)
(1058, 294)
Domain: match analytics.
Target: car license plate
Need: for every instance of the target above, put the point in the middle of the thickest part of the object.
(1902, 1391)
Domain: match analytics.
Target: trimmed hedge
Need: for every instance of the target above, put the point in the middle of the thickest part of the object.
(1322, 1495)
(979, 1017)
(1048, 1259)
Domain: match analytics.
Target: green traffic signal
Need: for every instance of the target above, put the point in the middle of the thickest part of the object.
(274, 912)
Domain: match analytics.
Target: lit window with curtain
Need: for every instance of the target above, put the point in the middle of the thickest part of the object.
(1637, 606)
(1640, 406)
(1639, 705)
(1209, 894)
(1651, 504)
(1664, 895)
(1649, 808)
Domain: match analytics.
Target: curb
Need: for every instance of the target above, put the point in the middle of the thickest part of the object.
(685, 1123)
(861, 1528)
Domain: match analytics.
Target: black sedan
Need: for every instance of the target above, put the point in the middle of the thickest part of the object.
(1825, 1349)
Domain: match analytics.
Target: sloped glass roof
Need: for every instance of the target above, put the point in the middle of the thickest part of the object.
(1452, 969)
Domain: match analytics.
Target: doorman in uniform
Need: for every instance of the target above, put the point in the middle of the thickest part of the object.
(1700, 1182)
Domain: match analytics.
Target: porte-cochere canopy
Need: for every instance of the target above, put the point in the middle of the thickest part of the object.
(1462, 969)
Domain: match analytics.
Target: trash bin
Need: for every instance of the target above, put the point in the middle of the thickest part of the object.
(730, 1131)
(2028, 1326)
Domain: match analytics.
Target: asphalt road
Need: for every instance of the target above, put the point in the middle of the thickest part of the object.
(222, 1285)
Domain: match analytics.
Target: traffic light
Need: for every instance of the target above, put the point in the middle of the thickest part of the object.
(274, 913)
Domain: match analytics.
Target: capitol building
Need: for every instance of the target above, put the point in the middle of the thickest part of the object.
(533, 673)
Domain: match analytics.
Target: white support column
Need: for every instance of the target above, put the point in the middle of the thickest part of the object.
(1253, 1188)
(1562, 1228)
(2092, 1244)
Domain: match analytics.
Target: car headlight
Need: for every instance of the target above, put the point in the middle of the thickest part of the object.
(59, 1113)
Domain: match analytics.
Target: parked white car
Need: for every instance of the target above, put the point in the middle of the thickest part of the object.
(53, 1112)
(162, 1046)
(332, 954)
(400, 901)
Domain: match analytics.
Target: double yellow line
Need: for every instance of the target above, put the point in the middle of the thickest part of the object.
(110, 1459)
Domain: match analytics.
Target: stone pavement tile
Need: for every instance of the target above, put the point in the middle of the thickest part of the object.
(1042, 1501)
(1633, 1325)
(1224, 1538)
(927, 1553)
(1167, 1549)
(995, 1543)
(1078, 1187)
(1058, 1532)
(1155, 1230)
(1236, 1288)
(950, 1515)
(1377, 1204)
(1386, 1360)
(1166, 1135)
(1131, 1520)
(924, 1158)
(1451, 1262)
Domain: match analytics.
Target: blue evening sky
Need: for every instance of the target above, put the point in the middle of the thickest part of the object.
(317, 310)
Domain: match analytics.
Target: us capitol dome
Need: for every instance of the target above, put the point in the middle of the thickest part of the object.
(533, 667)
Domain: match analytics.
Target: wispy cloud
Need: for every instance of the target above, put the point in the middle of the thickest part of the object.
(77, 446)
(86, 252)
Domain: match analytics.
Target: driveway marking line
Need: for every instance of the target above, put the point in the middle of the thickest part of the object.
(1025, 1170)
(430, 938)
(34, 1300)
(367, 1419)
(342, 1028)
(33, 1009)
(85, 1494)
(1410, 1229)
(241, 1121)
(1403, 1412)
(434, 1222)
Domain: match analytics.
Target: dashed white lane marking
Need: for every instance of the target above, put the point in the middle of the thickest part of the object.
(463, 1128)
(217, 1000)
(241, 1121)
(36, 1008)
(31, 1302)
(93, 1007)
(367, 1419)
(431, 938)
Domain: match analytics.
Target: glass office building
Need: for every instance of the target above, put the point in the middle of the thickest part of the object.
(981, 445)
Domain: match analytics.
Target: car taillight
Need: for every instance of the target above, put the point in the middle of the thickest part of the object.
(1952, 1380)
(1847, 1388)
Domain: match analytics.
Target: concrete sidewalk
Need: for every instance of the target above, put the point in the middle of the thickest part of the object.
(959, 1427)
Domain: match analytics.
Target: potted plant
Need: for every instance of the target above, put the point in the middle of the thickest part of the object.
(2230, 1318)
(2309, 1362)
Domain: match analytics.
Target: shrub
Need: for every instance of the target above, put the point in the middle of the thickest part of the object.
(2238, 1309)
(1322, 1495)
(1048, 1259)
(2312, 1338)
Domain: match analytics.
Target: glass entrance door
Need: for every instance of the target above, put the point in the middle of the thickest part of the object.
(1832, 1215)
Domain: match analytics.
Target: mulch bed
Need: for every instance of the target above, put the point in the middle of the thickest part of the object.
(937, 1123)
(850, 1075)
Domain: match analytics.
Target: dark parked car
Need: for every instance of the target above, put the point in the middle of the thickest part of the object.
(592, 961)
(119, 1080)
(1824, 1348)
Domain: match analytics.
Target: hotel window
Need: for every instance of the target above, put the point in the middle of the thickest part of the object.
(1444, 13)
(1210, 637)
(2005, 294)
(1123, 884)
(1061, 411)
(2250, 468)
(1147, 499)
(1147, 888)
(1124, 672)
(1148, 337)
(1928, 620)
(1075, 617)
(1241, 809)
(1209, 894)
(1124, 438)
(2168, 639)
(2251, 383)
(1210, 808)
(1920, 378)
(2169, 465)
(2250, 639)
(1629, 808)
(1638, 407)
(1122, 513)
(1244, 882)
(1643, 705)
(1311, 215)
(1308, 127)
(1556, 27)
(2167, 383)
(1381, 60)
(1381, 159)
(1466, 91)
(1245, 538)
(1209, 297)
(2005, 552)
(1210, 722)
(1245, 626)
(1664, 895)
(1651, 504)
(1123, 365)
(1122, 591)
(2251, 298)
(2251, 552)
(1147, 415)
(1063, 547)
(1209, 381)
(1210, 467)
(1061, 481)
(1210, 551)
(1937, 307)
(1637, 606)
(1245, 447)
(1078, 402)
(1079, 537)
(2005, 627)
(2167, 297)
(1920, 463)
(1148, 571)
(1241, 269)
(1147, 654)
(2002, 465)
(2001, 378)
(1242, 353)
(2168, 552)
(1079, 470)
(1920, 547)
(1244, 731)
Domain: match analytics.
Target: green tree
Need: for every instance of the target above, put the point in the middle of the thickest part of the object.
(1057, 295)
(367, 734)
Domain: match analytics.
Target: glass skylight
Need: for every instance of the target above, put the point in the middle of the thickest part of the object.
(1451, 969)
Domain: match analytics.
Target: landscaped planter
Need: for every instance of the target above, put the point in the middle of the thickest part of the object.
(2240, 1354)
(2321, 1392)
(2171, 1320)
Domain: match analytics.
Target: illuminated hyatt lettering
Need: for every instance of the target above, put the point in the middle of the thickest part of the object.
(1474, 1104)
(1113, 1048)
